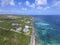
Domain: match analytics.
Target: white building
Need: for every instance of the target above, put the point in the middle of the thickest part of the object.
(26, 26)
(19, 29)
(26, 30)
(14, 24)
(27, 22)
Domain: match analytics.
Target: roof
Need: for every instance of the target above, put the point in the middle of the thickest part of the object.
(26, 26)
(18, 29)
(15, 24)
(28, 22)
(25, 29)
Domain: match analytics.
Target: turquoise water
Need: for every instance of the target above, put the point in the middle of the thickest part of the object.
(46, 33)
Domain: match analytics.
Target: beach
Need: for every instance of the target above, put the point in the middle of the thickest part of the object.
(33, 37)
(33, 34)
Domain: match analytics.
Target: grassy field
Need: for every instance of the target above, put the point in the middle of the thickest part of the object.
(8, 37)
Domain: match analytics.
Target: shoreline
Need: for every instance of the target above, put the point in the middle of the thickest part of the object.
(32, 41)
(33, 37)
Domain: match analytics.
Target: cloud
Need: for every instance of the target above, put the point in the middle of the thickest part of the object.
(39, 8)
(32, 5)
(43, 8)
(4, 2)
(23, 9)
(27, 3)
(37, 4)
(47, 8)
(40, 2)
(12, 3)
(19, 3)
(56, 4)
(1, 10)
(7, 2)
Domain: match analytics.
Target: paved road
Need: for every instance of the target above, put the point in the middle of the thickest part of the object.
(9, 29)
(4, 28)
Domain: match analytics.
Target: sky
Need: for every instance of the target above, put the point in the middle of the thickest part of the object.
(30, 7)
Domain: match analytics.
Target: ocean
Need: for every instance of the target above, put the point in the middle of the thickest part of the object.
(47, 29)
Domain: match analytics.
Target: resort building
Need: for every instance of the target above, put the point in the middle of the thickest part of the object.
(26, 26)
(26, 30)
(15, 24)
(28, 22)
(19, 29)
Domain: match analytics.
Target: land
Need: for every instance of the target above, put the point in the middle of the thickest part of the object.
(16, 30)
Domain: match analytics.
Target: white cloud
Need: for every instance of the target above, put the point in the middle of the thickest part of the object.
(32, 5)
(27, 3)
(40, 2)
(7, 2)
(57, 4)
(37, 4)
(39, 7)
(1, 10)
(46, 8)
(23, 9)
(19, 3)
(4, 2)
(12, 3)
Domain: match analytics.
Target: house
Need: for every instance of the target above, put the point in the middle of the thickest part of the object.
(28, 22)
(19, 29)
(26, 30)
(15, 24)
(12, 29)
(26, 26)
(31, 19)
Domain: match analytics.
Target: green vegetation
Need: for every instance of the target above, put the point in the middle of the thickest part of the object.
(12, 38)
(8, 37)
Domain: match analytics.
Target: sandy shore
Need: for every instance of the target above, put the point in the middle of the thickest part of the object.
(32, 41)
(33, 37)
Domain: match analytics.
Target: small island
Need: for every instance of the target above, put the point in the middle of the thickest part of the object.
(16, 30)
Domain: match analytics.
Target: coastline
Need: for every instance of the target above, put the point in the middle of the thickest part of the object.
(32, 41)
(33, 37)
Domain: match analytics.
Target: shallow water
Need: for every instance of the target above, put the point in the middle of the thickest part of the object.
(47, 33)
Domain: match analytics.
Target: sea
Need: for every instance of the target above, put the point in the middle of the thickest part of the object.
(47, 29)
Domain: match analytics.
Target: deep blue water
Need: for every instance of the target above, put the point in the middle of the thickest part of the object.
(47, 29)
(53, 19)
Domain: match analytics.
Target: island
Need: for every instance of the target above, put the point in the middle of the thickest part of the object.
(16, 30)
